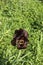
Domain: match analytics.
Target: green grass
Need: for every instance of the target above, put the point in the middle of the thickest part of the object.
(26, 14)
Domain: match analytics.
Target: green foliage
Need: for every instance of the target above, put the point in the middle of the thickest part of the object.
(26, 14)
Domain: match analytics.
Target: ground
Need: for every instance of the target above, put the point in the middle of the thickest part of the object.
(26, 14)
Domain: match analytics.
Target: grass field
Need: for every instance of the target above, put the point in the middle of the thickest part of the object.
(26, 14)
